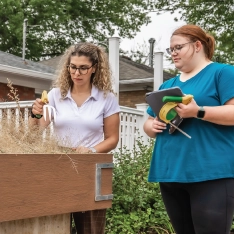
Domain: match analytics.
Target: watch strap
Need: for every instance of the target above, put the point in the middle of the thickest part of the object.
(37, 116)
(93, 150)
(201, 113)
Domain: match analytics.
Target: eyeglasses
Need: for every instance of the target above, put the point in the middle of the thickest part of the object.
(177, 48)
(82, 70)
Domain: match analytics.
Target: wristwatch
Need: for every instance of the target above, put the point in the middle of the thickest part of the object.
(38, 116)
(93, 150)
(201, 113)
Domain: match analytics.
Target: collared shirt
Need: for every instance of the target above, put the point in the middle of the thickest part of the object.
(81, 126)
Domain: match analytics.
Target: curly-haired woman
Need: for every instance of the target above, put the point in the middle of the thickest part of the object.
(87, 113)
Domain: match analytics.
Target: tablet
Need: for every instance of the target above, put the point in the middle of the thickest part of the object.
(155, 101)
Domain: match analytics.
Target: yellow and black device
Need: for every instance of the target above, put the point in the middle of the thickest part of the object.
(167, 112)
(163, 103)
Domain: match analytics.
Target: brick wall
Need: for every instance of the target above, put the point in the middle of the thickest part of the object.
(130, 98)
(23, 92)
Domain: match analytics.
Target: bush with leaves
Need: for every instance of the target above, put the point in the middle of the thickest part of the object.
(137, 205)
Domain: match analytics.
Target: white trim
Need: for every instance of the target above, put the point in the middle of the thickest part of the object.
(29, 103)
(134, 111)
(22, 104)
(26, 72)
(158, 69)
(114, 62)
(130, 128)
(137, 81)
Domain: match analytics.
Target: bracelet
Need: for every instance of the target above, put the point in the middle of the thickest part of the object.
(93, 150)
(38, 116)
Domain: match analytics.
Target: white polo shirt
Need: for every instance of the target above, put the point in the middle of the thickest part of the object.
(81, 126)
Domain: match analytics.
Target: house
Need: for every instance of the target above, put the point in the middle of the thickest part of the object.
(31, 78)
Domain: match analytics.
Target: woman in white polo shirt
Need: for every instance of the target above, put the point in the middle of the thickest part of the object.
(87, 113)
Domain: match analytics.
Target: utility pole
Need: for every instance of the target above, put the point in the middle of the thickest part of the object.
(24, 37)
(151, 54)
(26, 28)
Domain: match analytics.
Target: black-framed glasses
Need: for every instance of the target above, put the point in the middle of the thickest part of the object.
(177, 48)
(82, 70)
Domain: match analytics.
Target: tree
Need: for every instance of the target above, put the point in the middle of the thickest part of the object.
(214, 16)
(141, 52)
(54, 25)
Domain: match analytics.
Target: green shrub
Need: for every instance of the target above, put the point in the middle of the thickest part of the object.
(137, 205)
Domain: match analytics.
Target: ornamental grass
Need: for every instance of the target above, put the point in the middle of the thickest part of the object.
(18, 137)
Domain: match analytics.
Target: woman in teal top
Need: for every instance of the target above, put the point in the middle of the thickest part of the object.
(197, 175)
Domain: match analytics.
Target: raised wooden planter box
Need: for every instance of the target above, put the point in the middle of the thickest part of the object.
(39, 191)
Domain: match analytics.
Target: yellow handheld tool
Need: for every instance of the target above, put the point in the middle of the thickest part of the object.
(168, 113)
(51, 109)
(185, 99)
(44, 97)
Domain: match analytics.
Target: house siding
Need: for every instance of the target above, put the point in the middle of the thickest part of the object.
(131, 98)
(128, 71)
(24, 93)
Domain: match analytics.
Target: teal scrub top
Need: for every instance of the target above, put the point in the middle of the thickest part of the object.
(209, 154)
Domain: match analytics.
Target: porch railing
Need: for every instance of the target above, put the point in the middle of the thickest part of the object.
(131, 125)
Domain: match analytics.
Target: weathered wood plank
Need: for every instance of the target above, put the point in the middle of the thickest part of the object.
(46, 184)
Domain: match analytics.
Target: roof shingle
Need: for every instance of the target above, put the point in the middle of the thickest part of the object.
(15, 61)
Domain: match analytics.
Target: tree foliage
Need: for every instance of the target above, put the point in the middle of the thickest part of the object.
(55, 24)
(215, 16)
(141, 52)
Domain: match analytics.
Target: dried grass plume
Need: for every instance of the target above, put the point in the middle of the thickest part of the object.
(16, 137)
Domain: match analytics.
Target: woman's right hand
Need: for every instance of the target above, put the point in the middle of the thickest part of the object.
(37, 108)
(158, 126)
(153, 126)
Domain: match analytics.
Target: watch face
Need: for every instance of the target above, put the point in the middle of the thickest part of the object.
(201, 114)
(93, 150)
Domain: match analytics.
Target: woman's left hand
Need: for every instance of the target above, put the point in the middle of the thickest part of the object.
(83, 150)
(187, 111)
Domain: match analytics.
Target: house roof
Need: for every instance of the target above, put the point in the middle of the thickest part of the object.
(128, 69)
(15, 61)
(131, 70)
(25, 72)
(132, 75)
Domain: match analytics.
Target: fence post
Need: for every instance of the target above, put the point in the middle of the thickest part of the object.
(114, 62)
(141, 121)
(158, 69)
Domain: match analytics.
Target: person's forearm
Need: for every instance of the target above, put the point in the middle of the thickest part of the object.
(107, 145)
(33, 121)
(223, 115)
(148, 128)
(37, 122)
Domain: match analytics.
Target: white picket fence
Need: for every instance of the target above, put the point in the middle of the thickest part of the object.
(131, 125)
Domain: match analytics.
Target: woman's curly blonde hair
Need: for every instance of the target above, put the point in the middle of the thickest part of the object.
(102, 76)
